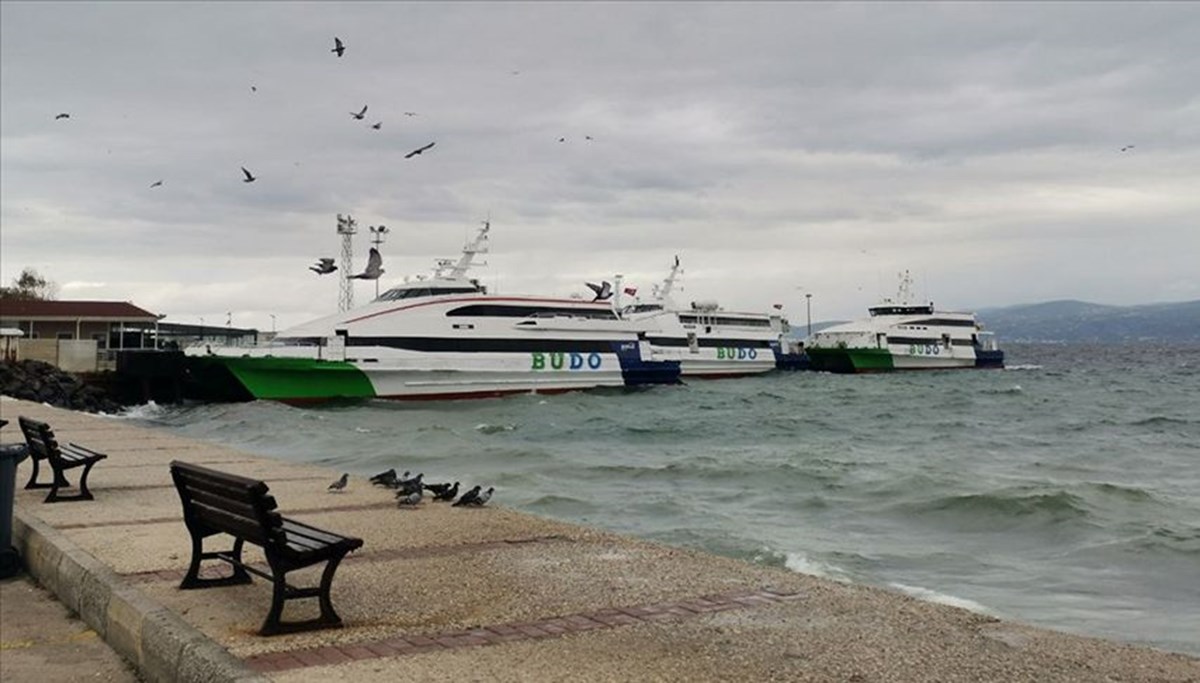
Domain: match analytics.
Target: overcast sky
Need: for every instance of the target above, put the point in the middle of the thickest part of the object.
(778, 148)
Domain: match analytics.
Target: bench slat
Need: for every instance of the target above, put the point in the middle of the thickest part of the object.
(221, 520)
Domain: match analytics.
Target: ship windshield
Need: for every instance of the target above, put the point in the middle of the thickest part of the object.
(417, 292)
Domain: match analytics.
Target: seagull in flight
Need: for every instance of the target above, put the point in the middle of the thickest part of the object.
(418, 150)
(338, 47)
(1126, 148)
(602, 290)
(374, 266)
(340, 484)
(157, 183)
(63, 115)
(377, 125)
(324, 267)
(360, 114)
(249, 178)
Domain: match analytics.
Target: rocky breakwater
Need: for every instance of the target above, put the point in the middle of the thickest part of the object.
(38, 381)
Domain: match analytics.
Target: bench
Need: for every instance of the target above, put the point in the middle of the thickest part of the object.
(222, 503)
(61, 457)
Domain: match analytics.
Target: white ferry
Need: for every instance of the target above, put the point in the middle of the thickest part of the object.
(440, 337)
(900, 335)
(706, 340)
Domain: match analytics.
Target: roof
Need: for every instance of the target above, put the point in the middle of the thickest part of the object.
(37, 309)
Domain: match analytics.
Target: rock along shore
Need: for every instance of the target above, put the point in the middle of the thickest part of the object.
(452, 594)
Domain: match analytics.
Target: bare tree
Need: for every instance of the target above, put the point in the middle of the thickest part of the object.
(29, 286)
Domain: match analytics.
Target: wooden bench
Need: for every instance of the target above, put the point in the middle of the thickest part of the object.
(61, 457)
(222, 503)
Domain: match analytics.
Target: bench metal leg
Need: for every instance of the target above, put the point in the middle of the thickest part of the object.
(192, 578)
(60, 481)
(273, 624)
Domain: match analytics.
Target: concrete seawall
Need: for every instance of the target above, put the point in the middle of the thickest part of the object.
(442, 593)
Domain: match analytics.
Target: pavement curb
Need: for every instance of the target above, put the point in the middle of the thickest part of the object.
(156, 641)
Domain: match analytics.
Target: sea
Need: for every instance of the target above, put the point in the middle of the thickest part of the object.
(1062, 491)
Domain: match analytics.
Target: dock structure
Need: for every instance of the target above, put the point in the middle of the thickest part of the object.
(443, 593)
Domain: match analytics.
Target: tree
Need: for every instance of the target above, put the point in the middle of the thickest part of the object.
(29, 286)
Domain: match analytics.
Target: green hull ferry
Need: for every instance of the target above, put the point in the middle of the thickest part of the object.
(850, 360)
(279, 379)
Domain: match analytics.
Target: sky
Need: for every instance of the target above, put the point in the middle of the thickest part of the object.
(1002, 153)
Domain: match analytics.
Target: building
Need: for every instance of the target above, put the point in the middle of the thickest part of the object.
(85, 336)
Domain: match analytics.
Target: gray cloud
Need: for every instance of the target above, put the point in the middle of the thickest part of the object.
(780, 148)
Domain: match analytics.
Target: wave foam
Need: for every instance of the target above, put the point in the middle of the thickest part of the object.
(942, 598)
(802, 564)
(1026, 366)
(147, 411)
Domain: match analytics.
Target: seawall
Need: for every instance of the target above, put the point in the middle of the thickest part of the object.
(442, 593)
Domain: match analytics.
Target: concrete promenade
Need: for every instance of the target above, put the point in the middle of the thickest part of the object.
(441, 594)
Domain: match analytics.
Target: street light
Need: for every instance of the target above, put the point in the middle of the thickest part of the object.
(272, 323)
(808, 310)
(377, 235)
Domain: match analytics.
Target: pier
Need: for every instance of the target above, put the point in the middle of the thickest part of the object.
(444, 593)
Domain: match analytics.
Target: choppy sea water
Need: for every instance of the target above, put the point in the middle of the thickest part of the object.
(1063, 491)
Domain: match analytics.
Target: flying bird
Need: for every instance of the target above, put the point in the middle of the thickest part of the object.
(377, 125)
(562, 139)
(587, 137)
(340, 484)
(338, 47)
(418, 150)
(360, 114)
(325, 266)
(410, 113)
(63, 115)
(253, 88)
(602, 290)
(374, 266)
(469, 497)
(157, 183)
(1126, 148)
(249, 178)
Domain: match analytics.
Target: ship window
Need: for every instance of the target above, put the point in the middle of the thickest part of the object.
(528, 311)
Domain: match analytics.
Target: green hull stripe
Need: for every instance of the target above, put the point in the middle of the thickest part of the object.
(850, 359)
(299, 378)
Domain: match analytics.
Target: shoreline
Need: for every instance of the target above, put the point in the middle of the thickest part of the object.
(465, 577)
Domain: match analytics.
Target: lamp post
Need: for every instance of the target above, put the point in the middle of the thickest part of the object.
(272, 323)
(808, 310)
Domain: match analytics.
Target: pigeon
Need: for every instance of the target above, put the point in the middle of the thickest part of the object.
(418, 150)
(410, 499)
(63, 115)
(377, 125)
(359, 115)
(405, 486)
(249, 178)
(324, 267)
(383, 478)
(340, 484)
(338, 47)
(469, 497)
(374, 266)
(447, 495)
(603, 291)
(157, 183)
(484, 497)
(438, 488)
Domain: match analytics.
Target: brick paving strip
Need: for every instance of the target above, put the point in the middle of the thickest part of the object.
(530, 630)
(217, 571)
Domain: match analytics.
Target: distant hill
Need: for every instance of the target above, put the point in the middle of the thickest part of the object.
(1080, 321)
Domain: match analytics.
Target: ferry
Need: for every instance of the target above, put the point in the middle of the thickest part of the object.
(900, 335)
(705, 339)
(442, 336)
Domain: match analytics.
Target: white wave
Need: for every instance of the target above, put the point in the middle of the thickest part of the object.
(362, 430)
(942, 599)
(486, 428)
(802, 564)
(1027, 366)
(147, 411)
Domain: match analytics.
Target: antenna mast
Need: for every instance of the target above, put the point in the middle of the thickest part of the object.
(347, 227)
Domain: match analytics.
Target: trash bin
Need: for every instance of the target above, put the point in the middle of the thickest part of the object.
(10, 455)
